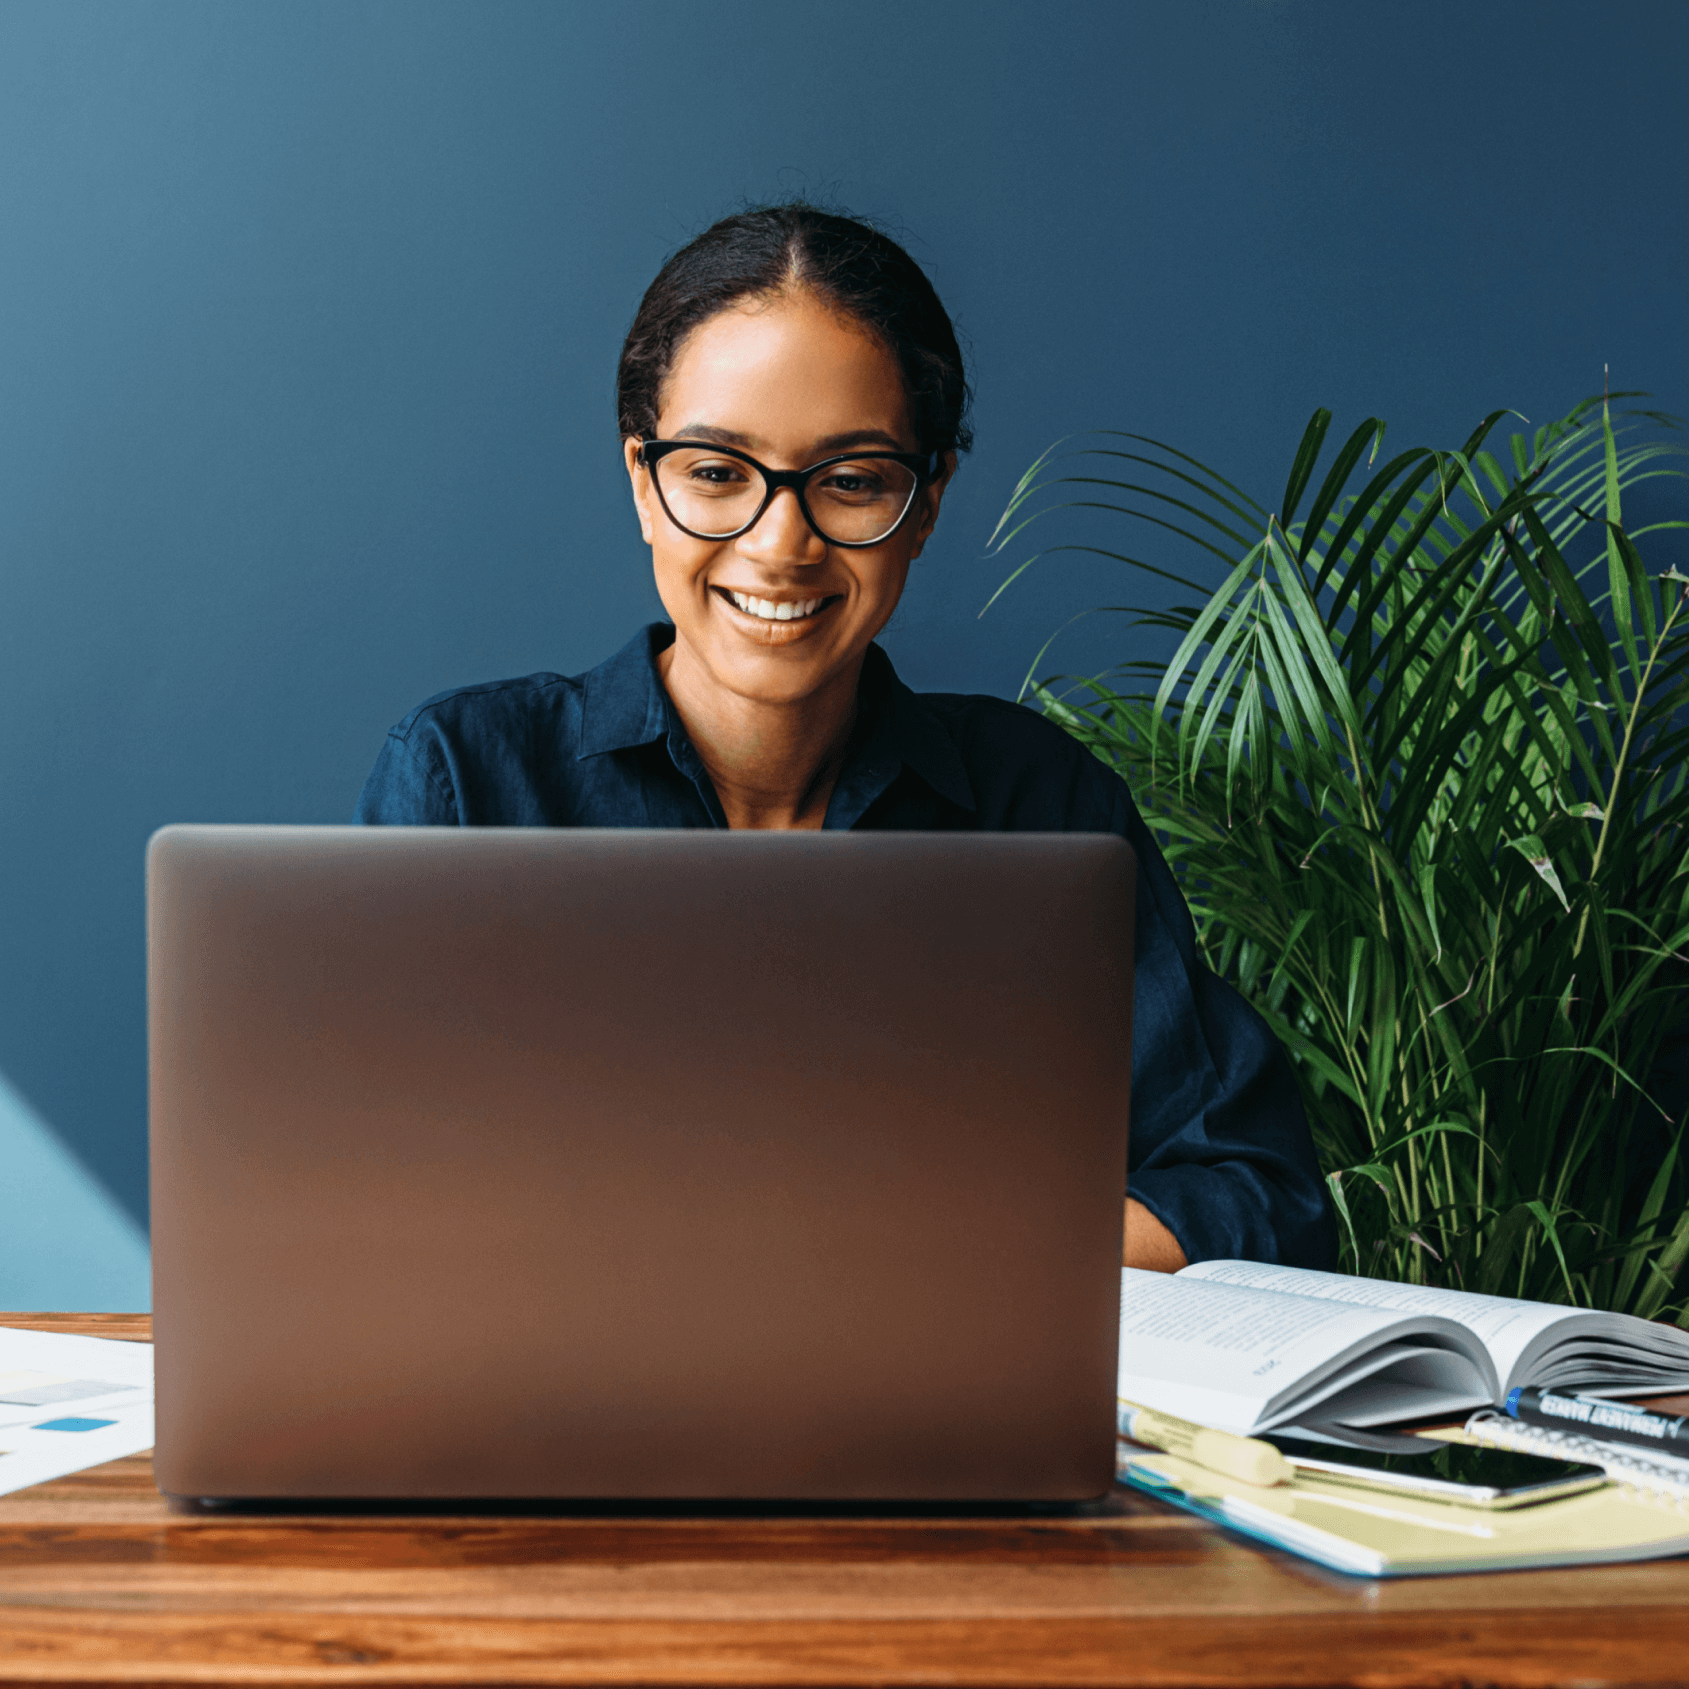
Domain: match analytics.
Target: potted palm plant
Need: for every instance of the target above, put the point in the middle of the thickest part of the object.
(1418, 760)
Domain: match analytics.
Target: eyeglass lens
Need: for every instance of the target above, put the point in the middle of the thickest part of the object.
(853, 503)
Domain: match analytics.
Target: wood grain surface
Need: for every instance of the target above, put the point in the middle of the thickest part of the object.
(103, 1581)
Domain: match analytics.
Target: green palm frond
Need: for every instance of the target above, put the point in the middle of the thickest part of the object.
(1419, 762)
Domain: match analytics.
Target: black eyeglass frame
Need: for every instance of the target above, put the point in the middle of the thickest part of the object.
(920, 464)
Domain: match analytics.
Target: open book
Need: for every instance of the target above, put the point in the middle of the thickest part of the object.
(1251, 1348)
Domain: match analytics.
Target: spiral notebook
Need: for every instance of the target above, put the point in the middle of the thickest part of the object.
(1653, 1475)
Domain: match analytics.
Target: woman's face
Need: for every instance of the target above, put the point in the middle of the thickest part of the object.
(790, 382)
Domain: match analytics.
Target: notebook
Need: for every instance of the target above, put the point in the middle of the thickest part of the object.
(1375, 1533)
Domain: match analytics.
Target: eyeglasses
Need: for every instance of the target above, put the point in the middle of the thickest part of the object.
(717, 493)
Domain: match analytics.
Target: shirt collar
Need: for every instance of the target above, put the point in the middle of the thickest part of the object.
(624, 705)
(897, 727)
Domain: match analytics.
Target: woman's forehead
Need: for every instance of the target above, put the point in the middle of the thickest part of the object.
(785, 373)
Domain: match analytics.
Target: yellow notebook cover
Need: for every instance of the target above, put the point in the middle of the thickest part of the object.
(1377, 1533)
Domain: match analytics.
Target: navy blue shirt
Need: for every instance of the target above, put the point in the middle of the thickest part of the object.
(1220, 1151)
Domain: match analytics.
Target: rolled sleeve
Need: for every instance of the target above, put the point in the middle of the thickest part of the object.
(1220, 1148)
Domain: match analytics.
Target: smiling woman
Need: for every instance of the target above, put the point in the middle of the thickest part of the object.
(779, 578)
(792, 402)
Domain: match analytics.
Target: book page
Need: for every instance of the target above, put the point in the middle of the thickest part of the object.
(1230, 1355)
(1505, 1326)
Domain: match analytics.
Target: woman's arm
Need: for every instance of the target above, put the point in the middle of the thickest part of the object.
(1149, 1244)
(1222, 1164)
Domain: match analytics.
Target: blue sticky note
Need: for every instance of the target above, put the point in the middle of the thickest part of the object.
(73, 1424)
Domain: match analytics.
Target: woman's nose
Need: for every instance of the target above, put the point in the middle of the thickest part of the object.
(782, 535)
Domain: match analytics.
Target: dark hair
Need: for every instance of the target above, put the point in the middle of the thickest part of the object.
(852, 267)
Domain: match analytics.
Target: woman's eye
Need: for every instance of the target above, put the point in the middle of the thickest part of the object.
(715, 475)
(853, 484)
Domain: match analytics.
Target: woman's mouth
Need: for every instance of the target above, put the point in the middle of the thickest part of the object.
(776, 609)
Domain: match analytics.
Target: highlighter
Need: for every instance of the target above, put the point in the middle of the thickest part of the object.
(1247, 1459)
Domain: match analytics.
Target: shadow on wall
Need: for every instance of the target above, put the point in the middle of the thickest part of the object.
(64, 1243)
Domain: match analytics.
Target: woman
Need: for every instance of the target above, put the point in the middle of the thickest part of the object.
(792, 403)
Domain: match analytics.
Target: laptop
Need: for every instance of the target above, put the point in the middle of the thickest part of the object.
(637, 1165)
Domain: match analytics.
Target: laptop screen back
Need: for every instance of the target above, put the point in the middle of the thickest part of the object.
(637, 1164)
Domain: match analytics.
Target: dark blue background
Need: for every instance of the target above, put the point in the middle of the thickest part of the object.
(309, 314)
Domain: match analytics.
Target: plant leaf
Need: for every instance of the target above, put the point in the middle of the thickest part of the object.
(1535, 852)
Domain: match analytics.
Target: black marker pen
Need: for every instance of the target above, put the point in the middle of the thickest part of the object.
(1609, 1422)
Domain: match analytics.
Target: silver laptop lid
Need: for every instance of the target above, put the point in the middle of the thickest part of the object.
(498, 1163)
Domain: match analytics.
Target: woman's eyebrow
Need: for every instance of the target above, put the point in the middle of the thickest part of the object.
(861, 437)
(720, 436)
(833, 442)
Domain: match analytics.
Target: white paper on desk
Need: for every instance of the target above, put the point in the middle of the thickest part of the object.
(74, 1402)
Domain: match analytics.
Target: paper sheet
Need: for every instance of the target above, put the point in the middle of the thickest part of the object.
(67, 1403)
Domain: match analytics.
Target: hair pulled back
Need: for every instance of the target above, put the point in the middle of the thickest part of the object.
(853, 268)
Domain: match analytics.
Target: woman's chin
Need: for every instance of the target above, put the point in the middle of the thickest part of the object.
(778, 664)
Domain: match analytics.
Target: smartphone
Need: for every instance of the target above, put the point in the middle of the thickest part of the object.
(1460, 1472)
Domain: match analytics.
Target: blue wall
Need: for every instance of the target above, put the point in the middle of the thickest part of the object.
(309, 312)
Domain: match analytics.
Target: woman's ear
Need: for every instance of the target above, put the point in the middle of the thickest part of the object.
(640, 476)
(932, 495)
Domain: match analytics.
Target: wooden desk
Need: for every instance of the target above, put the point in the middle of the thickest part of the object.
(101, 1582)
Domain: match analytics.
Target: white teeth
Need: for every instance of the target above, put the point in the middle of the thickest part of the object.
(768, 610)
